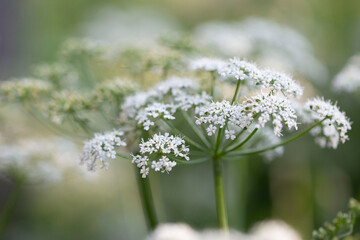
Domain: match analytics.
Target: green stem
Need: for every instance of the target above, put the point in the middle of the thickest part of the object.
(255, 151)
(9, 207)
(213, 76)
(219, 194)
(236, 92)
(146, 200)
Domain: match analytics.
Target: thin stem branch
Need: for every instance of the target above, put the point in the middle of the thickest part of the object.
(187, 139)
(212, 87)
(196, 130)
(255, 151)
(236, 92)
(243, 142)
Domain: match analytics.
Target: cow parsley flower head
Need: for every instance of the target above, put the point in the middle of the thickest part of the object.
(114, 90)
(270, 107)
(163, 101)
(207, 64)
(98, 151)
(158, 151)
(258, 109)
(237, 69)
(24, 89)
(254, 77)
(332, 129)
(348, 79)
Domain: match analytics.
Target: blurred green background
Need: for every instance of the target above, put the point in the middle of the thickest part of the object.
(305, 187)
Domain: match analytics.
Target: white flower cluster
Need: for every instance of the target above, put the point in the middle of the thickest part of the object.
(334, 128)
(39, 160)
(24, 89)
(100, 149)
(162, 101)
(160, 148)
(207, 64)
(253, 76)
(348, 79)
(261, 108)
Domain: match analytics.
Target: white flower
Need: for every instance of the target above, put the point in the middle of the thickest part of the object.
(230, 134)
(159, 148)
(100, 149)
(163, 101)
(241, 70)
(261, 108)
(207, 64)
(334, 128)
(348, 79)
(275, 230)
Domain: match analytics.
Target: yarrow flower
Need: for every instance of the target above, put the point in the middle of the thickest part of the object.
(98, 151)
(333, 128)
(261, 108)
(241, 70)
(160, 149)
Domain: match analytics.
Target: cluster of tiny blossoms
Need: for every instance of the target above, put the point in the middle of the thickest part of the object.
(261, 108)
(207, 64)
(100, 149)
(333, 128)
(160, 149)
(162, 101)
(241, 70)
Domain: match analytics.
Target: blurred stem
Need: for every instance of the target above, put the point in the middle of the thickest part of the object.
(146, 200)
(219, 193)
(10, 205)
(212, 88)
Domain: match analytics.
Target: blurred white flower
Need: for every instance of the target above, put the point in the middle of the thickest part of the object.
(348, 79)
(264, 41)
(274, 230)
(39, 160)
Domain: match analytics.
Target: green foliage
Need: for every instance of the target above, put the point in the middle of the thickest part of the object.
(342, 227)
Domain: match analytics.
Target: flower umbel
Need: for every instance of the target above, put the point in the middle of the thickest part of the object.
(334, 128)
(161, 149)
(98, 151)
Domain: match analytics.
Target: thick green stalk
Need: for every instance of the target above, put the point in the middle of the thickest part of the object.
(9, 207)
(146, 200)
(219, 194)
